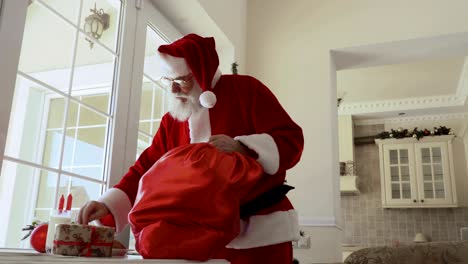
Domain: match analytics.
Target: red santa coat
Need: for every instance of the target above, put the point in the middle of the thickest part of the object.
(247, 111)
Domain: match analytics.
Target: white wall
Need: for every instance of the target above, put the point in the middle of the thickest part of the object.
(288, 48)
(345, 138)
(231, 17)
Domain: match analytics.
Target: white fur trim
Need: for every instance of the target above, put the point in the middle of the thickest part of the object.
(207, 99)
(266, 148)
(270, 229)
(119, 205)
(172, 67)
(216, 78)
(199, 126)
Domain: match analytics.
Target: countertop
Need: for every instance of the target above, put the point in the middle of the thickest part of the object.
(12, 256)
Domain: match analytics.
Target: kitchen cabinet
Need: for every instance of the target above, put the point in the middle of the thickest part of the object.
(417, 173)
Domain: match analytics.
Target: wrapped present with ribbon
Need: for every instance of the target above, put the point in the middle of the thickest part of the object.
(83, 240)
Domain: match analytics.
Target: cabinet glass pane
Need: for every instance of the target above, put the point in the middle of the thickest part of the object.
(403, 156)
(426, 155)
(427, 172)
(438, 173)
(404, 173)
(406, 190)
(428, 190)
(395, 191)
(436, 155)
(394, 173)
(439, 190)
(393, 156)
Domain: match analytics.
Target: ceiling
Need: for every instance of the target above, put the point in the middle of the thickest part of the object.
(392, 82)
(411, 78)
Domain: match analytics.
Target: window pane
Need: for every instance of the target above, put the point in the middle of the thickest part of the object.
(110, 7)
(95, 172)
(91, 118)
(82, 190)
(425, 155)
(45, 124)
(90, 146)
(403, 156)
(151, 108)
(436, 155)
(47, 188)
(146, 101)
(69, 149)
(68, 9)
(72, 117)
(56, 113)
(18, 195)
(393, 156)
(99, 101)
(143, 143)
(160, 102)
(27, 138)
(404, 173)
(155, 127)
(85, 143)
(153, 41)
(47, 47)
(94, 70)
(42, 215)
(145, 127)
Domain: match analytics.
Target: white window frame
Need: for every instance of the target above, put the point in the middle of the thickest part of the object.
(123, 136)
(13, 38)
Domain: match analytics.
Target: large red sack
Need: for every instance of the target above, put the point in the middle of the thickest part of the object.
(187, 206)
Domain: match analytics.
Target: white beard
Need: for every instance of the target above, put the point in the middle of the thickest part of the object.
(183, 110)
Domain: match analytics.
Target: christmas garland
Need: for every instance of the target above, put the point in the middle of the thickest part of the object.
(416, 133)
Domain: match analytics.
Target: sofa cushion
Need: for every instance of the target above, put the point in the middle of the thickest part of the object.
(418, 253)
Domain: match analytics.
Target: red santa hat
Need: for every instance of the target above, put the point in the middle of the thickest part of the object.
(195, 54)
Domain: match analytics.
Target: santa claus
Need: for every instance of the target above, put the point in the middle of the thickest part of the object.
(234, 113)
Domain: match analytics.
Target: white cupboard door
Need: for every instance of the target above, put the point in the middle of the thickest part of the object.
(433, 174)
(400, 182)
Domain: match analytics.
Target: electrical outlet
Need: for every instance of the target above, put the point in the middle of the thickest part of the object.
(302, 243)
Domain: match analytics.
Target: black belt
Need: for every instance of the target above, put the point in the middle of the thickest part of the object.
(265, 200)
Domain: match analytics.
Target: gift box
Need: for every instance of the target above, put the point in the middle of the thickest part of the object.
(83, 240)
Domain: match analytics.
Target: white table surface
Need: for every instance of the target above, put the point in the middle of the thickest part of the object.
(16, 256)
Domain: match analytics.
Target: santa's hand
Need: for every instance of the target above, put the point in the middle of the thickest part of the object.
(227, 144)
(92, 210)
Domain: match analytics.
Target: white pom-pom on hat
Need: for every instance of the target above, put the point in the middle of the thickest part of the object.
(207, 99)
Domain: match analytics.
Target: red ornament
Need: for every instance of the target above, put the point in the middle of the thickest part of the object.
(38, 238)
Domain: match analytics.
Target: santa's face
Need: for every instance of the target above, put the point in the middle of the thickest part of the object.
(184, 97)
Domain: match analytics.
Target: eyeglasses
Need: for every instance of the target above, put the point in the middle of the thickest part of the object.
(182, 82)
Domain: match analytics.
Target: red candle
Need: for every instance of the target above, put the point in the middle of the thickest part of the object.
(61, 202)
(69, 202)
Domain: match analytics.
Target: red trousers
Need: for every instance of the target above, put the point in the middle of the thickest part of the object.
(273, 254)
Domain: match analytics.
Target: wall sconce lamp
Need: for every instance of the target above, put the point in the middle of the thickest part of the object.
(95, 24)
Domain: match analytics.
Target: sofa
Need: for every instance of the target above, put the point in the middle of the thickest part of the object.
(415, 253)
